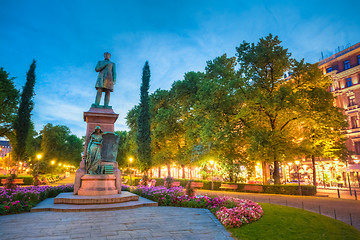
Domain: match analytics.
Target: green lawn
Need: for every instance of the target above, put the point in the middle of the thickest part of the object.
(280, 222)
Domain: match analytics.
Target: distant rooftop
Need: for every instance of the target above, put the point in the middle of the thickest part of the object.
(336, 55)
(4, 143)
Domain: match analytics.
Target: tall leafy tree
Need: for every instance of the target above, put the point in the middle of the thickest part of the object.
(269, 100)
(143, 137)
(219, 105)
(57, 143)
(23, 120)
(166, 128)
(124, 148)
(9, 97)
(322, 124)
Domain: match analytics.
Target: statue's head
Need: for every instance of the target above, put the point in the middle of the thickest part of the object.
(97, 129)
(107, 55)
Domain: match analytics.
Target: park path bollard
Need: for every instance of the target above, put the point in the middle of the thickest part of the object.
(355, 194)
(338, 191)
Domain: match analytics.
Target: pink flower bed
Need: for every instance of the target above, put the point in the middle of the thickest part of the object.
(231, 212)
(245, 212)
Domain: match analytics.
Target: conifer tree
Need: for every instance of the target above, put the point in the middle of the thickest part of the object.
(143, 138)
(22, 122)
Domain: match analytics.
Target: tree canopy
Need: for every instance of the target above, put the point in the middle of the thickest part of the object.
(9, 97)
(260, 105)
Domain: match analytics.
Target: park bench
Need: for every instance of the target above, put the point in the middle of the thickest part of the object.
(197, 184)
(228, 186)
(175, 184)
(51, 180)
(16, 181)
(253, 188)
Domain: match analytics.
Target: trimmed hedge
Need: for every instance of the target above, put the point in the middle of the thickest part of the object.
(28, 180)
(287, 189)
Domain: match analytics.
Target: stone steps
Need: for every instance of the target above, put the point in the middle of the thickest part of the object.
(67, 202)
(69, 198)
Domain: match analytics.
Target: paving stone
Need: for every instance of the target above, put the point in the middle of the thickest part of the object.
(142, 223)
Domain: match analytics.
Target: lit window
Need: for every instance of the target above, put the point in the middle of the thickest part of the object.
(349, 82)
(351, 101)
(329, 69)
(346, 64)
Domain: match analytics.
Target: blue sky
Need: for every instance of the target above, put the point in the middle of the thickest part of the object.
(67, 38)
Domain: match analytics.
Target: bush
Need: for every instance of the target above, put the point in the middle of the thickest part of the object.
(28, 180)
(287, 189)
(24, 198)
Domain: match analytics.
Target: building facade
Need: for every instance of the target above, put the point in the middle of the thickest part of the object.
(344, 70)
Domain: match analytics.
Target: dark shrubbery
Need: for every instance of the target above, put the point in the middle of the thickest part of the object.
(287, 189)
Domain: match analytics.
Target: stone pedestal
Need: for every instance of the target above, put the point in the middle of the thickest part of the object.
(104, 182)
(97, 185)
(103, 117)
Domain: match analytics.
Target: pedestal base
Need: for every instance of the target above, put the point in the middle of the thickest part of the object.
(98, 185)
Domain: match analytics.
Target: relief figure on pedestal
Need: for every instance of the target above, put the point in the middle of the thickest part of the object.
(93, 153)
(105, 81)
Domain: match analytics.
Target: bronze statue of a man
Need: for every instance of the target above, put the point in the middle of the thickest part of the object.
(106, 79)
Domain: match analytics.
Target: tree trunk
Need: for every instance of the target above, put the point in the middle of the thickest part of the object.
(277, 172)
(231, 175)
(264, 173)
(159, 172)
(169, 169)
(314, 171)
(183, 171)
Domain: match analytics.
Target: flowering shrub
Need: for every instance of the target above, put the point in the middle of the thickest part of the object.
(23, 199)
(231, 212)
(245, 212)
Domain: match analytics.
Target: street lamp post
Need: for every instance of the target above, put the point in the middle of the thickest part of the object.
(52, 163)
(348, 177)
(39, 156)
(290, 163)
(130, 161)
(212, 174)
(298, 172)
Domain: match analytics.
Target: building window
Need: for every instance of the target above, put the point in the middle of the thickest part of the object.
(351, 101)
(348, 82)
(329, 69)
(357, 147)
(346, 64)
(353, 122)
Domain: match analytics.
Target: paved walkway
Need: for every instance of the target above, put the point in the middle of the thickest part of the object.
(158, 223)
(330, 207)
(344, 193)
